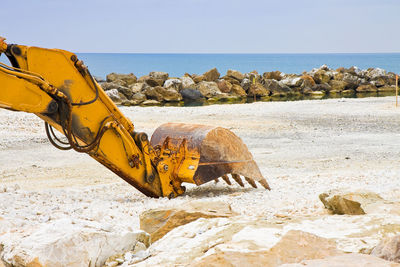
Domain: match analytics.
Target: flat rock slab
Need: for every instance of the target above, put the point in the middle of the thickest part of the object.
(67, 242)
(349, 260)
(293, 247)
(158, 222)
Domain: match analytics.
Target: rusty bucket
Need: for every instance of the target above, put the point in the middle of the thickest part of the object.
(221, 152)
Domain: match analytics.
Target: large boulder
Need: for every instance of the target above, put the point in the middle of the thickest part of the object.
(337, 86)
(276, 88)
(187, 82)
(373, 73)
(276, 75)
(257, 90)
(245, 84)
(138, 87)
(115, 96)
(232, 80)
(321, 76)
(162, 94)
(211, 75)
(351, 203)
(208, 89)
(123, 79)
(150, 81)
(224, 86)
(159, 76)
(238, 91)
(308, 81)
(190, 94)
(292, 81)
(235, 74)
(174, 84)
(138, 98)
(197, 78)
(351, 80)
(67, 242)
(159, 222)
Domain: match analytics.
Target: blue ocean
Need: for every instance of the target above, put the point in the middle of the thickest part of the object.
(100, 64)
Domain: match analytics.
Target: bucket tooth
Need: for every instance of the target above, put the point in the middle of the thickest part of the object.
(237, 178)
(264, 183)
(226, 179)
(251, 182)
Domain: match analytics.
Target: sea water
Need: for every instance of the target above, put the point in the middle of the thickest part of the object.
(100, 64)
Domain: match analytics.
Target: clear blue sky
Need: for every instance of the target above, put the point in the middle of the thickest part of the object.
(205, 26)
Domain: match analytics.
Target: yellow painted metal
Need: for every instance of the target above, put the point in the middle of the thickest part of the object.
(58, 88)
(21, 95)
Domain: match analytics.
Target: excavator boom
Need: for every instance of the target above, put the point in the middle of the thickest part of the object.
(56, 86)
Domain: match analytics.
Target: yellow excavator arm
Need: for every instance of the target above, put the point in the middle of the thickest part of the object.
(56, 86)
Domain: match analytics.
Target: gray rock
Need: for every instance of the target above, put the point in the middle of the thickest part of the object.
(276, 88)
(174, 84)
(189, 94)
(351, 80)
(245, 84)
(373, 73)
(292, 81)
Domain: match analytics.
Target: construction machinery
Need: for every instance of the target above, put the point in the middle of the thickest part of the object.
(56, 86)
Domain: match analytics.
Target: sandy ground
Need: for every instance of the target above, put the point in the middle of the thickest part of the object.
(303, 148)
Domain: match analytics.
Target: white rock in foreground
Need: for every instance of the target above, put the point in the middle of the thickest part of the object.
(67, 242)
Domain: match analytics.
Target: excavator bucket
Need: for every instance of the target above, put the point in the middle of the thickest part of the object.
(221, 152)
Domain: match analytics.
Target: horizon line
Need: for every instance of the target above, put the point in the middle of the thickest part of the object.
(234, 53)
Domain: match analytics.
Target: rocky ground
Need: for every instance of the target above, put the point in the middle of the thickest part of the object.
(211, 87)
(62, 208)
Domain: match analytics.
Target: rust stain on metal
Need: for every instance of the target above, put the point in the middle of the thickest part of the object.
(221, 151)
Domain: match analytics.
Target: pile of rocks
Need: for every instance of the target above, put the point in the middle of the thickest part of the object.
(158, 88)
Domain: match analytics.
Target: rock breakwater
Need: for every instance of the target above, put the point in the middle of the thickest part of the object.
(157, 88)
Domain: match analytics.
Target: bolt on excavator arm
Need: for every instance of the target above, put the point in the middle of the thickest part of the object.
(56, 86)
